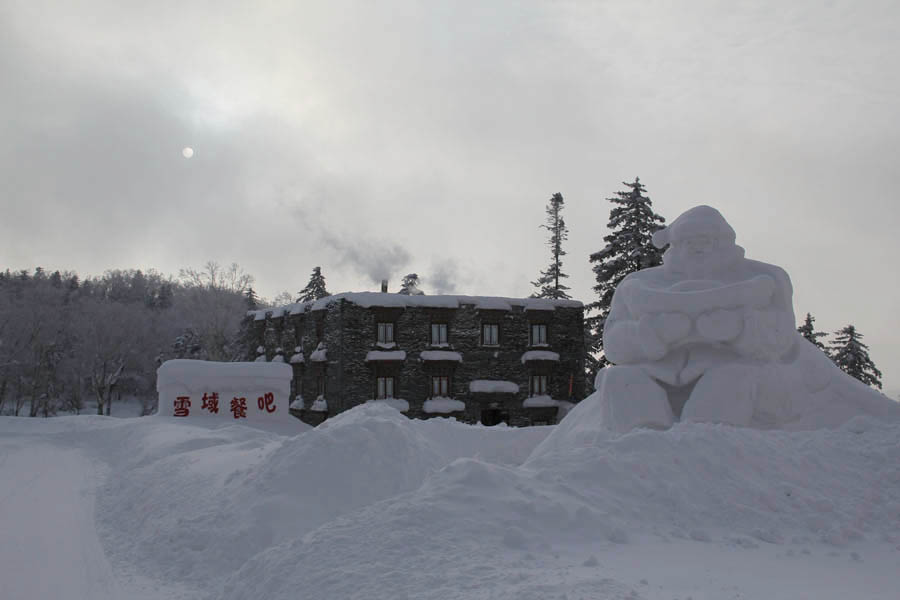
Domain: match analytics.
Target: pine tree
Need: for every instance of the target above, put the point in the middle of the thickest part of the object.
(549, 284)
(852, 356)
(315, 289)
(410, 285)
(808, 331)
(250, 299)
(632, 223)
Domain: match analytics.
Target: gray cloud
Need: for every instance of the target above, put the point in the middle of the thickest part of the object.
(428, 136)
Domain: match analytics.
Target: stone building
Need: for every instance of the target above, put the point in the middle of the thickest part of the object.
(475, 358)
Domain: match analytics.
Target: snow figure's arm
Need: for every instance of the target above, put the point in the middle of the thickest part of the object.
(628, 339)
(768, 332)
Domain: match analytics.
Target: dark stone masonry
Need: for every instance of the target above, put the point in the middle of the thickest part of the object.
(478, 359)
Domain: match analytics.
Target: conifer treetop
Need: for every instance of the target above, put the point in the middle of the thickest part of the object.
(315, 289)
(852, 356)
(549, 284)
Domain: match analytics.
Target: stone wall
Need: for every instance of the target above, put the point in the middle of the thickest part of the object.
(348, 332)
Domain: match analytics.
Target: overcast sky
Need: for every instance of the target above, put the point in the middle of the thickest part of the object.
(379, 138)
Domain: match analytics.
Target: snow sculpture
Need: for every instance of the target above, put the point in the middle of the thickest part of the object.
(710, 336)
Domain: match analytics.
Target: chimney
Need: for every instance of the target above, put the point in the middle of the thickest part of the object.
(384, 286)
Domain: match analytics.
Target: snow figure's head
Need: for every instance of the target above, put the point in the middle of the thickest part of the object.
(701, 243)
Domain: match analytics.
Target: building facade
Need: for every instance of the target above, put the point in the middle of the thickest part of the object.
(478, 359)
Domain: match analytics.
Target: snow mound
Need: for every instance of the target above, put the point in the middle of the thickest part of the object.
(195, 504)
(698, 482)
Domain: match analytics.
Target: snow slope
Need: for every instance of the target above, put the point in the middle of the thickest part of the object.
(374, 505)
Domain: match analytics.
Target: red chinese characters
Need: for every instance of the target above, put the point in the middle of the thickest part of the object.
(211, 402)
(239, 408)
(182, 406)
(266, 402)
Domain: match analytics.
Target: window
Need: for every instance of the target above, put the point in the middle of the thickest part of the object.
(538, 334)
(538, 385)
(440, 386)
(385, 333)
(438, 334)
(384, 387)
(490, 334)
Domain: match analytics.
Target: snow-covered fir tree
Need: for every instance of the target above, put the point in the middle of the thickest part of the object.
(808, 330)
(550, 284)
(410, 285)
(632, 223)
(852, 356)
(251, 299)
(315, 289)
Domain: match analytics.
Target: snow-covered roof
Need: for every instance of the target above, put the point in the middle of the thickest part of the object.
(297, 358)
(381, 299)
(319, 405)
(491, 386)
(374, 355)
(440, 355)
(539, 355)
(443, 405)
(320, 354)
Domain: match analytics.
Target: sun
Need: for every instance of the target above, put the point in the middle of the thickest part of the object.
(187, 152)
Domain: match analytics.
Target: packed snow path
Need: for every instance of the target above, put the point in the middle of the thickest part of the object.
(50, 547)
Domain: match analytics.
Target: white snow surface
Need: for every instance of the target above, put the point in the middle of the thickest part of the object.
(539, 402)
(320, 354)
(372, 505)
(443, 405)
(320, 404)
(539, 355)
(433, 355)
(395, 403)
(492, 386)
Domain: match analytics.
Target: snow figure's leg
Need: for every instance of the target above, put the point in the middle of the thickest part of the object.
(630, 398)
(724, 395)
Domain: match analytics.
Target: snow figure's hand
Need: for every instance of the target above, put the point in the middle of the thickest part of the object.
(652, 346)
(720, 325)
(671, 327)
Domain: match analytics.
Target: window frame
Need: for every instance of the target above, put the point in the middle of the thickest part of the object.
(440, 328)
(385, 387)
(542, 329)
(443, 384)
(382, 329)
(496, 328)
(538, 384)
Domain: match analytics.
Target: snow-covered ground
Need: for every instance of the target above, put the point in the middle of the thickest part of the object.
(374, 505)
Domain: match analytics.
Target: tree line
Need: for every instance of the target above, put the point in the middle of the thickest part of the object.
(628, 248)
(69, 344)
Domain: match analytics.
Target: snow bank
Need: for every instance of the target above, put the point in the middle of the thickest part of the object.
(395, 403)
(443, 405)
(707, 484)
(491, 386)
(194, 504)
